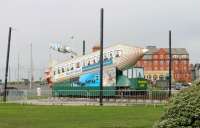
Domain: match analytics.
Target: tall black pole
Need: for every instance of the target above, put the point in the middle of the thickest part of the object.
(83, 47)
(101, 58)
(7, 64)
(170, 63)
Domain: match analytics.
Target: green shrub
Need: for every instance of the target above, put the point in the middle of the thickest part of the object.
(183, 110)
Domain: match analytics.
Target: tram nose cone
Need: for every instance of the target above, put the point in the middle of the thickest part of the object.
(145, 50)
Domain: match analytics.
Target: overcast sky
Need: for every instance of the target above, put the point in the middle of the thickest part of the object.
(138, 22)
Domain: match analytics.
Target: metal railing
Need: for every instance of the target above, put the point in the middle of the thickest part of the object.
(86, 97)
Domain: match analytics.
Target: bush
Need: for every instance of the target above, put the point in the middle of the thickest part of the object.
(183, 110)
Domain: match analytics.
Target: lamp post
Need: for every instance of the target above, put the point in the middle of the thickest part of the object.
(7, 64)
(83, 47)
(101, 58)
(170, 63)
(31, 66)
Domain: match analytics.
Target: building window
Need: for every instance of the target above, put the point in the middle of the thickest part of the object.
(149, 76)
(147, 57)
(155, 77)
(185, 61)
(63, 70)
(167, 62)
(161, 62)
(155, 62)
(155, 56)
(185, 68)
(161, 77)
(177, 76)
(186, 75)
(161, 56)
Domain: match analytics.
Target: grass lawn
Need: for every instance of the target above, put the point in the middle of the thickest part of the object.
(30, 116)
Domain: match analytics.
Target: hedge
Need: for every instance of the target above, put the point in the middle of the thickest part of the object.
(183, 110)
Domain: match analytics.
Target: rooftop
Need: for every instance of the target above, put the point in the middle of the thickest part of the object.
(177, 51)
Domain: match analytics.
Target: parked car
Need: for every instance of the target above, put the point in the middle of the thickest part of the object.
(180, 86)
(185, 85)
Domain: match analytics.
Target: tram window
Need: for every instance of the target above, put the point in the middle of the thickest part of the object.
(105, 57)
(54, 73)
(58, 71)
(98, 59)
(78, 65)
(94, 61)
(111, 55)
(71, 66)
(83, 63)
(67, 68)
(63, 70)
(88, 62)
(118, 53)
(91, 61)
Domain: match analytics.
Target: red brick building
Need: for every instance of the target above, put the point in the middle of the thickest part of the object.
(156, 64)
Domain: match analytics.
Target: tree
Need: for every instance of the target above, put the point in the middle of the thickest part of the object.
(183, 110)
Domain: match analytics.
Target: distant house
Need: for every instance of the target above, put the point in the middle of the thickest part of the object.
(156, 64)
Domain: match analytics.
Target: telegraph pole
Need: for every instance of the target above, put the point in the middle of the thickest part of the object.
(170, 63)
(101, 58)
(7, 64)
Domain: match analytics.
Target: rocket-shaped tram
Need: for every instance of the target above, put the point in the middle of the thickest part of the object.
(83, 71)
